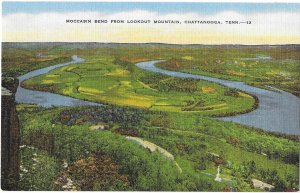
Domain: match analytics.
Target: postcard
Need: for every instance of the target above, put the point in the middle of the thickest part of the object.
(150, 96)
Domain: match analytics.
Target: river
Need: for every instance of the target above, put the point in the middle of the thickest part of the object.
(278, 111)
(47, 99)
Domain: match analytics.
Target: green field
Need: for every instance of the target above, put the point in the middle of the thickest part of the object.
(62, 150)
(107, 79)
(260, 66)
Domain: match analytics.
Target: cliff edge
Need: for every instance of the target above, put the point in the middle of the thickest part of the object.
(10, 136)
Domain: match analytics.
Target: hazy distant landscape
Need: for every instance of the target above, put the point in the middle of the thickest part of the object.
(129, 128)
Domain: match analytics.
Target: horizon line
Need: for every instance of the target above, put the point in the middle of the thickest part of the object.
(165, 43)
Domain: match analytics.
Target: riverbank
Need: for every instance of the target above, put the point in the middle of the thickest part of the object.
(47, 99)
(123, 84)
(276, 112)
(280, 117)
(58, 143)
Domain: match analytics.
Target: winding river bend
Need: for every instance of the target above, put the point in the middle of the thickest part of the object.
(47, 99)
(278, 111)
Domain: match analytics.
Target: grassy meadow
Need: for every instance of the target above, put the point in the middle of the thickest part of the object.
(85, 148)
(105, 79)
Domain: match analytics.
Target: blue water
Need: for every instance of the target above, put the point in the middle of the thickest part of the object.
(47, 99)
(278, 111)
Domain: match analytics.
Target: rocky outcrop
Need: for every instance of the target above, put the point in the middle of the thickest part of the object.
(10, 136)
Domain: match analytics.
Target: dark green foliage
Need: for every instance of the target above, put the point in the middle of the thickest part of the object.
(143, 168)
(231, 92)
(146, 171)
(165, 83)
(123, 115)
(37, 170)
(281, 147)
(63, 133)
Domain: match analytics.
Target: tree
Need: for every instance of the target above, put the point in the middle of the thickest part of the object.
(231, 92)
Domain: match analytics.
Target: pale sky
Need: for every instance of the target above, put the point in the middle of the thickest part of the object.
(46, 22)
